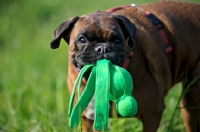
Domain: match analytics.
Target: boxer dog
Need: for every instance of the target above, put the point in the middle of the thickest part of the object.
(165, 40)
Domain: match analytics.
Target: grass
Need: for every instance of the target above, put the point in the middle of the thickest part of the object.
(33, 91)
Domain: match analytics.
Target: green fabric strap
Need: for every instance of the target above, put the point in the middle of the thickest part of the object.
(83, 100)
(102, 95)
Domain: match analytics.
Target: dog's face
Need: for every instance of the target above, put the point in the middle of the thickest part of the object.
(96, 36)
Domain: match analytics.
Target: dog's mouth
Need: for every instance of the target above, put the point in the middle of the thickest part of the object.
(87, 74)
(82, 61)
(79, 65)
(85, 58)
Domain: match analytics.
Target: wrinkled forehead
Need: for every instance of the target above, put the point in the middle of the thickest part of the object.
(99, 25)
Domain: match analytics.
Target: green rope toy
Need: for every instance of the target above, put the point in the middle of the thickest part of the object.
(106, 82)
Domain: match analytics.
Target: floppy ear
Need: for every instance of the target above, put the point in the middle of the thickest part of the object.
(127, 27)
(63, 30)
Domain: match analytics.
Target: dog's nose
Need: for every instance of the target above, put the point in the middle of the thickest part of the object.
(102, 49)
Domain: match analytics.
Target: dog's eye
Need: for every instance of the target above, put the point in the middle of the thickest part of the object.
(82, 40)
(117, 41)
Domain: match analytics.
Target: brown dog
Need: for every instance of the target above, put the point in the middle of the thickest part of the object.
(115, 34)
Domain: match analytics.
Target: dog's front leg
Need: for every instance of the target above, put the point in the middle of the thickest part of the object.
(151, 122)
(87, 125)
(150, 109)
(88, 118)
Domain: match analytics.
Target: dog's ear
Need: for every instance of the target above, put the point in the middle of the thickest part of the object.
(63, 31)
(127, 27)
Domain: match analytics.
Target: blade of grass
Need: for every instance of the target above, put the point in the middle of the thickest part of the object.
(183, 93)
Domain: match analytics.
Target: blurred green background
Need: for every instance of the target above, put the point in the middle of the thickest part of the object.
(33, 91)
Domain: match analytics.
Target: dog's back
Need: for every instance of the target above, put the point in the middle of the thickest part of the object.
(182, 27)
(181, 23)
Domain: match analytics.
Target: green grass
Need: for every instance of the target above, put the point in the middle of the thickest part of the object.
(33, 91)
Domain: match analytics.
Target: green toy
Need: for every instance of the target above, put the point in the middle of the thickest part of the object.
(106, 82)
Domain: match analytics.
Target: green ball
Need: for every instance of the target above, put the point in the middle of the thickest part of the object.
(126, 106)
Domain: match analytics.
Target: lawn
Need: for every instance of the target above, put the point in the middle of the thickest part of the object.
(33, 91)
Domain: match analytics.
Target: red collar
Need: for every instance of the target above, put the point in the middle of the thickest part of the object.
(158, 25)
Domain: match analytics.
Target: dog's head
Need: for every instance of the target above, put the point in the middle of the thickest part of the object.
(96, 36)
